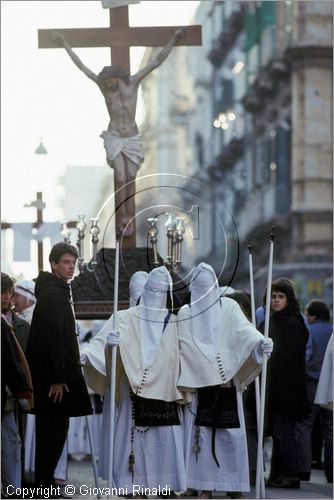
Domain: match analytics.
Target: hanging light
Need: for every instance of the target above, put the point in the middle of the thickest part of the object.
(231, 115)
(41, 149)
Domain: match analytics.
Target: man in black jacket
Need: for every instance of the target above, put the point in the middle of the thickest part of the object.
(13, 422)
(53, 355)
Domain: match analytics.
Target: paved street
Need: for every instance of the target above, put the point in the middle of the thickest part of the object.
(82, 477)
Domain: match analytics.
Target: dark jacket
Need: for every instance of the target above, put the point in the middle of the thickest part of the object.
(12, 371)
(286, 385)
(53, 352)
(21, 329)
(321, 331)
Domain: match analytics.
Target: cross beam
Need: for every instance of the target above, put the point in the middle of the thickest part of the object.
(120, 36)
(106, 37)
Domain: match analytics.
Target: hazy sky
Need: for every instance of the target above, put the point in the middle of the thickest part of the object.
(44, 94)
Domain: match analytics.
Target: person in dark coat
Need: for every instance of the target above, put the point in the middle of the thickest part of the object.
(318, 317)
(13, 422)
(13, 373)
(53, 354)
(286, 388)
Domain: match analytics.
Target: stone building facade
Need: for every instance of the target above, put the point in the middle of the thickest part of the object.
(257, 131)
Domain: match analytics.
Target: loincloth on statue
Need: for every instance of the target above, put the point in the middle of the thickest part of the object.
(131, 147)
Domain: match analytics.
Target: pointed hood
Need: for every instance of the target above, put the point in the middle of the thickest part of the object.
(152, 313)
(205, 310)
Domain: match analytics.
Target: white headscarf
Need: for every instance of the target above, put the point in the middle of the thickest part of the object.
(26, 288)
(152, 313)
(205, 310)
(136, 285)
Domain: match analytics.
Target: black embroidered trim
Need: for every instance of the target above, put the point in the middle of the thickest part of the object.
(154, 412)
(217, 408)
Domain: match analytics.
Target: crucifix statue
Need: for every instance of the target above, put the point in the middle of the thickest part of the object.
(122, 141)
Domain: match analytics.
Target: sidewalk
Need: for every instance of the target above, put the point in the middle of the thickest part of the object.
(82, 478)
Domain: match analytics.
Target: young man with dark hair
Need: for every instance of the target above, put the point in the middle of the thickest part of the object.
(53, 355)
(317, 310)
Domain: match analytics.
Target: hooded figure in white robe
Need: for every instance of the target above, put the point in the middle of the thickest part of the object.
(218, 347)
(148, 454)
(92, 353)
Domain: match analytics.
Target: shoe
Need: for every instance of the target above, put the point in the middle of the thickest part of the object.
(304, 476)
(270, 480)
(189, 493)
(284, 482)
(59, 482)
(317, 464)
(235, 494)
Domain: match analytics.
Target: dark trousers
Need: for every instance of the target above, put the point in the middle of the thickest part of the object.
(304, 434)
(51, 434)
(304, 437)
(284, 460)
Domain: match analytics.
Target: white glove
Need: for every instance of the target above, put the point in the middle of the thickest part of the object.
(83, 359)
(113, 338)
(267, 346)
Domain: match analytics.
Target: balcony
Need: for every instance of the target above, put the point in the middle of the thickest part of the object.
(223, 44)
(266, 83)
(226, 159)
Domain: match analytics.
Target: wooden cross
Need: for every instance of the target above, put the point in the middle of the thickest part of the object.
(120, 37)
(39, 204)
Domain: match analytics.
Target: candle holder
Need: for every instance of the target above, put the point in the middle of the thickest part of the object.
(153, 235)
(170, 225)
(175, 230)
(81, 227)
(94, 231)
(66, 232)
(180, 230)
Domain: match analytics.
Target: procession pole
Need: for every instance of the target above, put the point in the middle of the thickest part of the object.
(113, 375)
(93, 454)
(259, 462)
(87, 421)
(257, 383)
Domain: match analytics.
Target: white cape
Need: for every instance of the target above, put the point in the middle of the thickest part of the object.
(159, 381)
(237, 339)
(95, 369)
